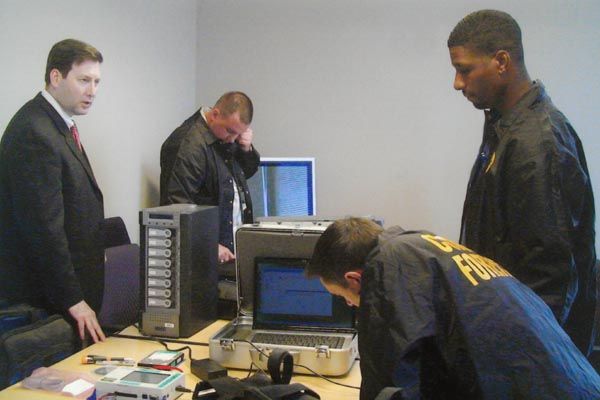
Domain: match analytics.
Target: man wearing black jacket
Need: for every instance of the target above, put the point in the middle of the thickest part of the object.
(438, 321)
(207, 160)
(529, 203)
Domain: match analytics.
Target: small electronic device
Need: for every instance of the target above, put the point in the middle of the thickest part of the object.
(93, 359)
(162, 357)
(207, 369)
(125, 383)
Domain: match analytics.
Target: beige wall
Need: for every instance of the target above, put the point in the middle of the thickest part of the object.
(366, 88)
(363, 86)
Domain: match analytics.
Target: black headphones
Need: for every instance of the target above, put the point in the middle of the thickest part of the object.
(280, 366)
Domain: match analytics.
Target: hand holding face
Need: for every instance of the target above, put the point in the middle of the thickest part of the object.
(245, 139)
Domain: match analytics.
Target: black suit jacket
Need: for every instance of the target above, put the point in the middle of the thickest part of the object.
(51, 214)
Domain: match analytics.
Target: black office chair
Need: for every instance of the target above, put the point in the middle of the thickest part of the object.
(121, 302)
(115, 232)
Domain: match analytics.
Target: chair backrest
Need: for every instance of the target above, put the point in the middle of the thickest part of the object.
(115, 232)
(121, 303)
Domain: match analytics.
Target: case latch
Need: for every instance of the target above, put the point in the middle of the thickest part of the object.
(323, 351)
(260, 354)
(227, 344)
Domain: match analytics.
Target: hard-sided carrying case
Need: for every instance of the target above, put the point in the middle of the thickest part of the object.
(280, 239)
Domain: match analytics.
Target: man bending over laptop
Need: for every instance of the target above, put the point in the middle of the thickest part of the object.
(439, 321)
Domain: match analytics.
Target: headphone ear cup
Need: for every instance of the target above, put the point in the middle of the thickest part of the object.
(280, 366)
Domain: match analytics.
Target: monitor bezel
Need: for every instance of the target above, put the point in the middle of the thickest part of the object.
(293, 262)
(266, 161)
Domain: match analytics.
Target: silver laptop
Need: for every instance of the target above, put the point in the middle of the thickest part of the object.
(294, 313)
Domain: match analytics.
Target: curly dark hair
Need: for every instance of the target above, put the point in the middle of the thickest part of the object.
(486, 32)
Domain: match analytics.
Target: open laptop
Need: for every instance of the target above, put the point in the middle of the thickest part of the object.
(294, 313)
(292, 310)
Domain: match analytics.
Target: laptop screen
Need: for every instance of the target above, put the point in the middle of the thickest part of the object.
(284, 298)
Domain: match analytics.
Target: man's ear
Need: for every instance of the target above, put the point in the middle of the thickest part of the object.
(502, 60)
(215, 112)
(55, 77)
(353, 279)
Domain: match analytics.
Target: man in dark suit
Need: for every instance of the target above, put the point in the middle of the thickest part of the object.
(51, 208)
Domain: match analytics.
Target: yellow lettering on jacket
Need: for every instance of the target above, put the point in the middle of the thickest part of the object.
(477, 267)
(444, 244)
(465, 268)
(474, 267)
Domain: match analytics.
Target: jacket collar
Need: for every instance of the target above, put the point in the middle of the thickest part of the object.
(62, 127)
(204, 129)
(534, 95)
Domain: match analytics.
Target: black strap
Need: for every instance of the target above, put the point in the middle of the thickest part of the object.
(280, 366)
(228, 388)
(293, 391)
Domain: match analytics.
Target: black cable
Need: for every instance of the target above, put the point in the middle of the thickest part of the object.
(250, 370)
(327, 379)
(159, 339)
(252, 363)
(189, 349)
(299, 365)
(253, 345)
(183, 389)
(163, 341)
(258, 368)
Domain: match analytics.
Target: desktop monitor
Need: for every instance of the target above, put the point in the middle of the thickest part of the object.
(283, 186)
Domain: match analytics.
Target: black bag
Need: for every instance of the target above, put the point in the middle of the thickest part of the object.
(17, 315)
(228, 388)
(29, 339)
(260, 386)
(289, 391)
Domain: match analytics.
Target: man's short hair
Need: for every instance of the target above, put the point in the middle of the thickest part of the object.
(486, 32)
(232, 102)
(343, 247)
(67, 52)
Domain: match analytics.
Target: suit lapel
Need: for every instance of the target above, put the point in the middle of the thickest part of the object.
(62, 128)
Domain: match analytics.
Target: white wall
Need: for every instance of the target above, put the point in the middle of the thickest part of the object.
(147, 87)
(366, 88)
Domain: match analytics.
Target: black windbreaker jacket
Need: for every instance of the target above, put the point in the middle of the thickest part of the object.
(442, 322)
(529, 206)
(196, 168)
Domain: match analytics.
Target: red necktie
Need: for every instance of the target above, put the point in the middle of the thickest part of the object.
(75, 134)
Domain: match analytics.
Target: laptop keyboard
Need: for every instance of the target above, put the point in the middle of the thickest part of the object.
(287, 339)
